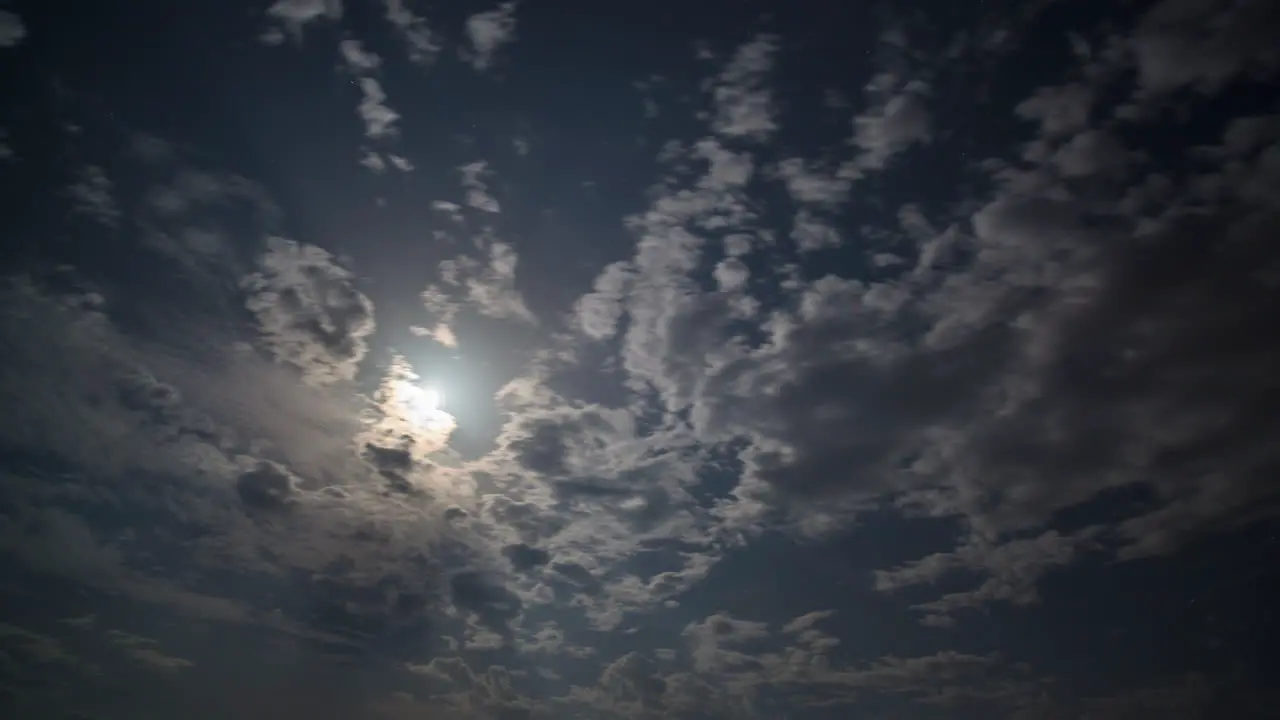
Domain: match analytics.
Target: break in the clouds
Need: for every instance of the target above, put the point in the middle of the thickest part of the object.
(906, 364)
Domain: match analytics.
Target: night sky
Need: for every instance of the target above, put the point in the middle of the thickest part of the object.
(708, 360)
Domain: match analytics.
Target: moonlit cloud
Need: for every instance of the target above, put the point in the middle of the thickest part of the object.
(310, 313)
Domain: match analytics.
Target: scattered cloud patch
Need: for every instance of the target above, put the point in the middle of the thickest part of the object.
(488, 32)
(12, 30)
(473, 182)
(420, 41)
(379, 119)
(891, 125)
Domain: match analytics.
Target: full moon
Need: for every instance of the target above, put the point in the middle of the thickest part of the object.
(424, 404)
(430, 400)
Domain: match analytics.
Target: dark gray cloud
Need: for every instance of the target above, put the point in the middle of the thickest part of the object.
(526, 557)
(493, 604)
(267, 486)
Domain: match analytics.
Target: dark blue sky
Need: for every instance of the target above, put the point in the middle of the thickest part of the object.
(820, 360)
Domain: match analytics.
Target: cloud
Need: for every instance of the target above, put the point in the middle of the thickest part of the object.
(1060, 110)
(579, 484)
(936, 384)
(267, 486)
(309, 311)
(493, 290)
(1014, 569)
(379, 119)
(457, 688)
(1030, 329)
(412, 28)
(37, 647)
(811, 185)
(296, 14)
(12, 29)
(525, 557)
(713, 642)
(493, 605)
(1009, 364)
(1091, 154)
(179, 407)
(598, 312)
(92, 195)
(169, 442)
(891, 126)
(373, 161)
(357, 58)
(488, 32)
(144, 650)
(810, 232)
(1203, 45)
(489, 286)
(742, 102)
(478, 196)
